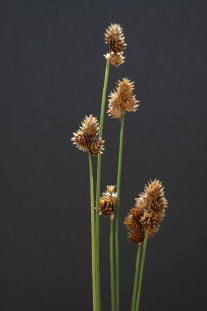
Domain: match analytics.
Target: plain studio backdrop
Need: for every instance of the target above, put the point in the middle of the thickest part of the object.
(52, 72)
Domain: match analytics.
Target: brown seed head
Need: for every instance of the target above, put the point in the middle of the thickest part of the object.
(122, 99)
(107, 202)
(155, 194)
(86, 137)
(148, 213)
(114, 38)
(116, 59)
(90, 125)
(134, 226)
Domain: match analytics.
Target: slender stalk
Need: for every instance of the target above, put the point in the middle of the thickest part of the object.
(98, 185)
(112, 266)
(117, 212)
(141, 270)
(136, 278)
(92, 234)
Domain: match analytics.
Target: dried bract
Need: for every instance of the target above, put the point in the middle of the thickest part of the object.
(86, 137)
(107, 202)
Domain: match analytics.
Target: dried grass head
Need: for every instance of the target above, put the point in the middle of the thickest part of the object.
(115, 38)
(134, 226)
(122, 99)
(116, 59)
(107, 203)
(86, 138)
(148, 213)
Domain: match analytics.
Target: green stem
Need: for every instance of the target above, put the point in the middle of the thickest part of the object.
(136, 278)
(112, 266)
(98, 185)
(117, 212)
(141, 270)
(92, 234)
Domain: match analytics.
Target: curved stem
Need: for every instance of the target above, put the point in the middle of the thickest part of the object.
(136, 278)
(112, 266)
(92, 233)
(141, 269)
(98, 185)
(117, 212)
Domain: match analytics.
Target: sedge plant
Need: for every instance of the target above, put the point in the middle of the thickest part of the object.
(143, 221)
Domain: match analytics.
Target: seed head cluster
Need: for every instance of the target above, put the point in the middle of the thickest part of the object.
(86, 137)
(122, 99)
(114, 37)
(107, 203)
(148, 212)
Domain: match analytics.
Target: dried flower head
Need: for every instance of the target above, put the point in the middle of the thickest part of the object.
(90, 125)
(134, 226)
(107, 202)
(114, 38)
(86, 137)
(122, 99)
(116, 59)
(155, 194)
(149, 211)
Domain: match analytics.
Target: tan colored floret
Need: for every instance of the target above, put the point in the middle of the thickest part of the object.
(122, 99)
(149, 211)
(114, 38)
(107, 203)
(116, 59)
(86, 137)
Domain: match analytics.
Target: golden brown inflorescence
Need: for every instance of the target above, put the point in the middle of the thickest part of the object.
(107, 203)
(86, 137)
(115, 39)
(148, 212)
(122, 99)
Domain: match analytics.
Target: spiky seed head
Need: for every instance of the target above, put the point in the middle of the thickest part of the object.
(86, 137)
(154, 189)
(134, 226)
(90, 125)
(80, 140)
(95, 146)
(122, 99)
(107, 203)
(115, 111)
(116, 59)
(155, 194)
(114, 38)
(149, 211)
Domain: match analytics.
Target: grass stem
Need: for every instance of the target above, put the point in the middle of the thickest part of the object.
(117, 212)
(136, 278)
(92, 234)
(141, 270)
(112, 265)
(98, 185)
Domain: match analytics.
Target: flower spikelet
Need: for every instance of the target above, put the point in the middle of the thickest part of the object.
(96, 146)
(149, 210)
(90, 125)
(122, 99)
(155, 194)
(86, 137)
(107, 203)
(116, 59)
(134, 226)
(114, 38)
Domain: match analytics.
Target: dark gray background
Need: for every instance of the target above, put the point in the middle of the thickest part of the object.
(52, 71)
